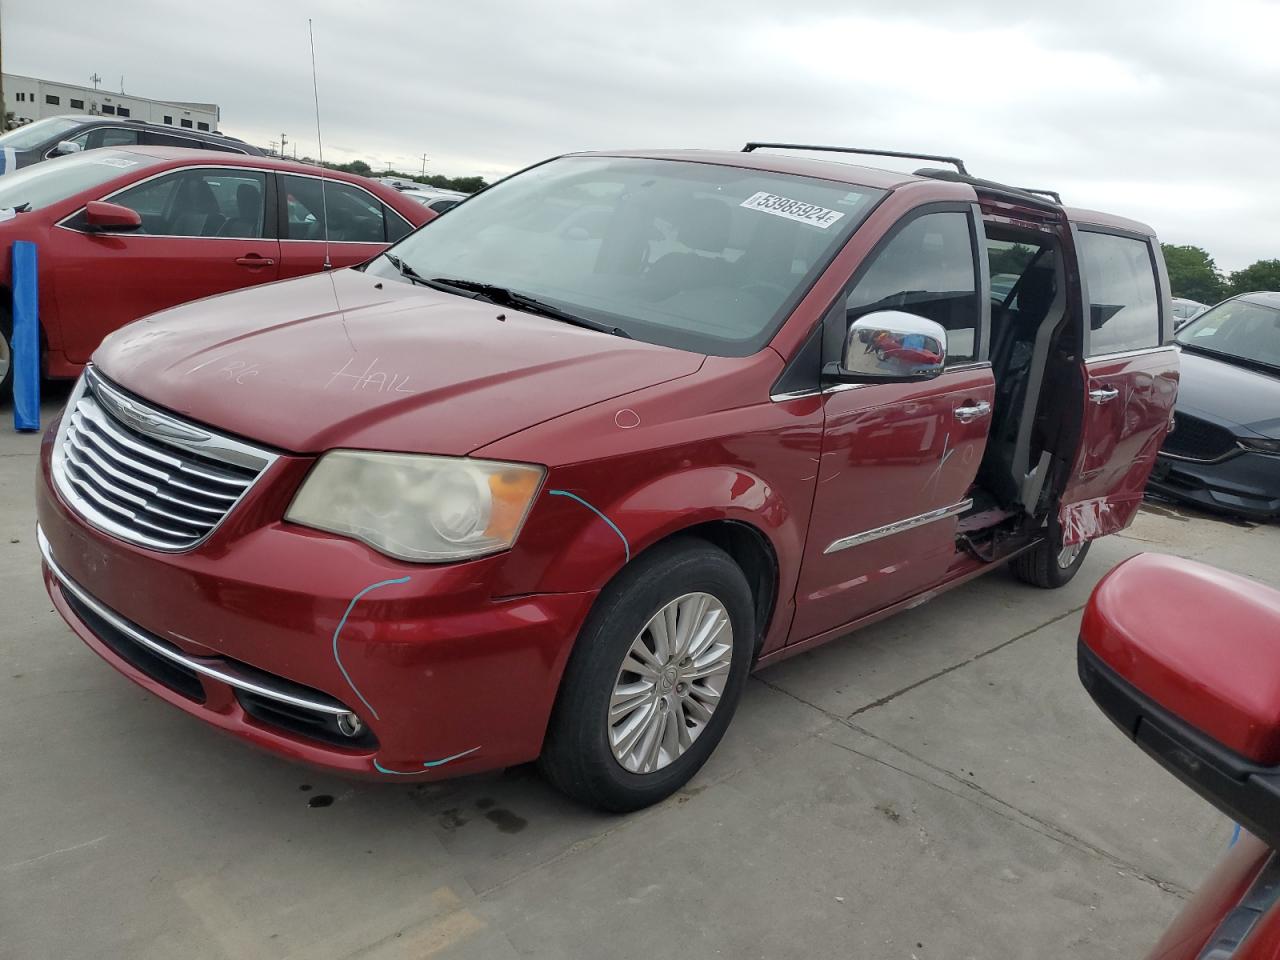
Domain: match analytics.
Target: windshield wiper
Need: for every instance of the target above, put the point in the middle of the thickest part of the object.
(521, 301)
(407, 271)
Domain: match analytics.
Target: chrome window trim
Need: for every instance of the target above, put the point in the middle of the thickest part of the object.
(1126, 354)
(225, 673)
(898, 526)
(216, 447)
(220, 166)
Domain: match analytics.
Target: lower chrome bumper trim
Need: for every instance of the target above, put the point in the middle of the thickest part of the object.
(225, 672)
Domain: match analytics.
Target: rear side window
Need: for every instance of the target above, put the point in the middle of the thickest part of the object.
(354, 215)
(397, 226)
(927, 269)
(1124, 312)
(112, 137)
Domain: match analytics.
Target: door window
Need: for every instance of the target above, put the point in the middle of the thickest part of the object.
(200, 203)
(1124, 309)
(354, 215)
(927, 269)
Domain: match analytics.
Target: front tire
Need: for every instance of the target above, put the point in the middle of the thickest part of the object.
(1049, 564)
(654, 678)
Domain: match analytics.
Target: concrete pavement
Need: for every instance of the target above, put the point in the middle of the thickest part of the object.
(936, 786)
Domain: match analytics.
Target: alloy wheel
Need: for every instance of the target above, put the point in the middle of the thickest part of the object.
(670, 682)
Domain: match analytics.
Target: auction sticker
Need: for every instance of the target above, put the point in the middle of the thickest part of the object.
(792, 209)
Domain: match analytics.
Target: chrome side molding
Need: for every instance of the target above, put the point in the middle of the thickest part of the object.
(898, 526)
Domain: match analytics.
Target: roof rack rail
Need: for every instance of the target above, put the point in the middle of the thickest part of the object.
(1051, 194)
(954, 161)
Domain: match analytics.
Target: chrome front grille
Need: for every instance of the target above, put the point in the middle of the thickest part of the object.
(144, 475)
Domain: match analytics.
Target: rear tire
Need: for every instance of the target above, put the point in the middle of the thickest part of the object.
(621, 739)
(1049, 564)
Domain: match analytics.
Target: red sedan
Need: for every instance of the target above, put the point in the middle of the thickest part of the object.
(123, 233)
(1183, 658)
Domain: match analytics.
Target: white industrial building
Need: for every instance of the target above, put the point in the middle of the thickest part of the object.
(28, 99)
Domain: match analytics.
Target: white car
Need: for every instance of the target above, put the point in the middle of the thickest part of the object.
(1184, 310)
(437, 200)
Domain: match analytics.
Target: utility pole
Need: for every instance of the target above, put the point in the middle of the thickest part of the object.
(424, 164)
(283, 140)
(95, 79)
(122, 83)
(272, 145)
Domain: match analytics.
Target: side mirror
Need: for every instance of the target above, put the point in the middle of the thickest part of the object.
(103, 217)
(65, 147)
(1183, 658)
(891, 345)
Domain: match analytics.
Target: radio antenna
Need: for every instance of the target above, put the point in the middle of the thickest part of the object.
(324, 201)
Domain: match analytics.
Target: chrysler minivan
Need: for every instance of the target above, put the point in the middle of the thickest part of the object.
(551, 475)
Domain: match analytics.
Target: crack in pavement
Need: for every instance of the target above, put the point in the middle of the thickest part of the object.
(1044, 827)
(955, 666)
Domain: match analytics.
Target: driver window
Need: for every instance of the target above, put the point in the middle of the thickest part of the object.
(199, 203)
(927, 269)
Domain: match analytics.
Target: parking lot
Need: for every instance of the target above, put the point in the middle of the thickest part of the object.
(938, 785)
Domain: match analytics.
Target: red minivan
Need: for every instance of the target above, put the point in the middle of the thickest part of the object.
(551, 475)
(124, 232)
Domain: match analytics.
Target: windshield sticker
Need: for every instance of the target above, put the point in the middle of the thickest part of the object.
(792, 209)
(120, 162)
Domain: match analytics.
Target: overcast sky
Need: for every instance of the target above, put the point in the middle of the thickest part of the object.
(1166, 111)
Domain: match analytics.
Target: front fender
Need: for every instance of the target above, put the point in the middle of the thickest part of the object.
(580, 535)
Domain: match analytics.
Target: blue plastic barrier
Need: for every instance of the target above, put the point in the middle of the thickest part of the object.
(26, 337)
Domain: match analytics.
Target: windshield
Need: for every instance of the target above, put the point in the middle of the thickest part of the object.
(1238, 329)
(690, 255)
(53, 181)
(36, 134)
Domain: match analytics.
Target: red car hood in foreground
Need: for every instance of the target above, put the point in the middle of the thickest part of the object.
(345, 360)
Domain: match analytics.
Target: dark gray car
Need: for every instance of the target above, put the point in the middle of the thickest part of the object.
(55, 136)
(1224, 452)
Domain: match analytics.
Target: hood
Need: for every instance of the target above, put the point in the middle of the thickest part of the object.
(345, 360)
(1230, 394)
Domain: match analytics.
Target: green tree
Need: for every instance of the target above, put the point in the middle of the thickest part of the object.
(1192, 273)
(1260, 275)
(357, 167)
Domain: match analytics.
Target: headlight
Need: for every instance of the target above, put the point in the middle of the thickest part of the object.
(416, 507)
(1259, 445)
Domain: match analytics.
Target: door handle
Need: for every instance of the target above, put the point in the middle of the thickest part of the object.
(971, 413)
(1103, 394)
(255, 260)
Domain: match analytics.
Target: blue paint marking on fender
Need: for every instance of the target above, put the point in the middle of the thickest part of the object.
(343, 622)
(1235, 836)
(429, 763)
(612, 526)
(25, 342)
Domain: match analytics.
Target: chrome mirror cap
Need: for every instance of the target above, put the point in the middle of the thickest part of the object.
(894, 345)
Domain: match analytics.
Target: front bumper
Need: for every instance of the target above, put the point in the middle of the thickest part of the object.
(1246, 483)
(271, 632)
